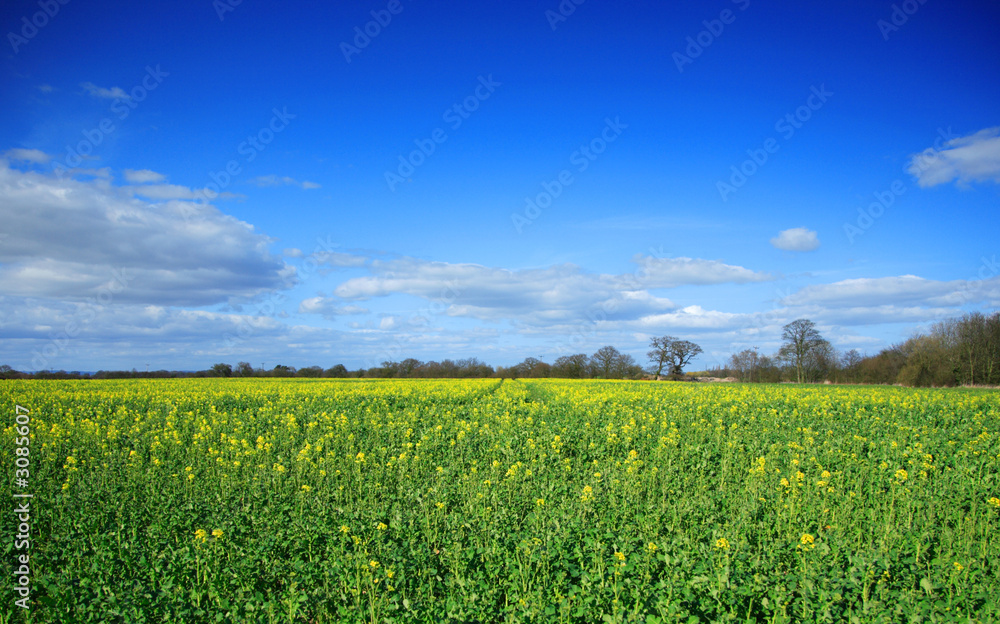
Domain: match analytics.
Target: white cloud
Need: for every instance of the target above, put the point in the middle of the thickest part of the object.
(339, 259)
(273, 180)
(903, 290)
(143, 176)
(691, 317)
(546, 297)
(660, 272)
(103, 172)
(27, 155)
(328, 308)
(44, 88)
(796, 239)
(865, 315)
(973, 158)
(68, 238)
(292, 252)
(176, 191)
(101, 92)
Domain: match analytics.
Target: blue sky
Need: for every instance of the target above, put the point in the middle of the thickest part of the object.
(188, 183)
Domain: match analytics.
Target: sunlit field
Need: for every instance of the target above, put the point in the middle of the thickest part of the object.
(518, 501)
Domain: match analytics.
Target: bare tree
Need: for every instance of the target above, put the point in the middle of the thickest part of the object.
(659, 351)
(673, 353)
(850, 363)
(606, 362)
(571, 366)
(801, 339)
(747, 364)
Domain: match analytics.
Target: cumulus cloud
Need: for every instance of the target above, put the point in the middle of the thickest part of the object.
(543, 297)
(691, 317)
(339, 259)
(903, 290)
(68, 238)
(660, 272)
(973, 158)
(329, 308)
(273, 180)
(143, 176)
(176, 191)
(101, 92)
(796, 239)
(27, 155)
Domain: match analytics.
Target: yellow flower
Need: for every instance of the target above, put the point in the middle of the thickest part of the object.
(381, 526)
(217, 533)
(306, 488)
(651, 547)
(588, 494)
(722, 544)
(345, 529)
(373, 564)
(959, 567)
(994, 502)
(620, 556)
(806, 542)
(539, 502)
(440, 505)
(389, 574)
(785, 483)
(201, 535)
(901, 475)
(825, 475)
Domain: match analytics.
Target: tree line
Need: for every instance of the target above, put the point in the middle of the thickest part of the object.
(606, 363)
(959, 351)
